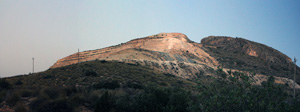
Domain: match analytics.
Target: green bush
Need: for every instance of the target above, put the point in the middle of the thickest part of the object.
(105, 103)
(126, 103)
(221, 73)
(2, 95)
(134, 85)
(237, 96)
(107, 85)
(35, 104)
(48, 77)
(169, 75)
(77, 100)
(51, 92)
(59, 105)
(178, 100)
(154, 99)
(26, 93)
(19, 82)
(89, 72)
(200, 74)
(70, 90)
(12, 98)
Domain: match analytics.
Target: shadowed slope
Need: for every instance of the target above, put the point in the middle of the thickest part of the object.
(242, 54)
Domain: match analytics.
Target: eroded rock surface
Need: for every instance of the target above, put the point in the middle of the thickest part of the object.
(164, 51)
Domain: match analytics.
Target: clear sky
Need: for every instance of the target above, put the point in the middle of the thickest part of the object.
(52, 29)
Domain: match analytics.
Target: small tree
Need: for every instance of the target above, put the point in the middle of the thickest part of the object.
(221, 73)
(105, 103)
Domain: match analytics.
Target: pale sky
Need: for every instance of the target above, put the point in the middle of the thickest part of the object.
(49, 30)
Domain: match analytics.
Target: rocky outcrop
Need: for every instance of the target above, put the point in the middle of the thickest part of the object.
(246, 47)
(160, 47)
(176, 54)
(242, 54)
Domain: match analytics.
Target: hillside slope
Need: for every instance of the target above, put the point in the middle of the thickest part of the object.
(117, 86)
(245, 55)
(77, 87)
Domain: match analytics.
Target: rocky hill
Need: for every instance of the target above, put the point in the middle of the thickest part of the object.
(242, 54)
(159, 73)
(175, 53)
(169, 52)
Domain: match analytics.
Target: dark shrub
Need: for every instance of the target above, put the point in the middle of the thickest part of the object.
(200, 74)
(4, 84)
(134, 85)
(105, 103)
(154, 99)
(12, 99)
(52, 92)
(162, 83)
(60, 105)
(48, 77)
(76, 100)
(125, 106)
(178, 100)
(169, 75)
(103, 61)
(221, 73)
(34, 105)
(70, 90)
(19, 82)
(89, 72)
(107, 85)
(2, 95)
(26, 93)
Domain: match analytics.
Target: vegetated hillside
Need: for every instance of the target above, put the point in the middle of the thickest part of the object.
(116, 86)
(242, 54)
(82, 83)
(89, 73)
(163, 72)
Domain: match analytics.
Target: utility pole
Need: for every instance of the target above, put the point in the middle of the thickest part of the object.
(33, 65)
(294, 75)
(78, 58)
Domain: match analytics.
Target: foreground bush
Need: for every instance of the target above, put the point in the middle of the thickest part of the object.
(60, 105)
(4, 85)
